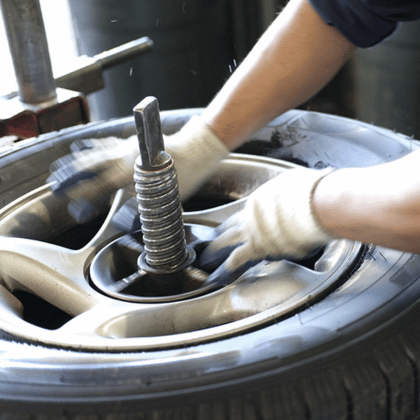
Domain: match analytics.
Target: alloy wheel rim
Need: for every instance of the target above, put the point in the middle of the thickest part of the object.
(100, 322)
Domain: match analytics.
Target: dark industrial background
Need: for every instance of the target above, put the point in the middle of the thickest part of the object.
(199, 43)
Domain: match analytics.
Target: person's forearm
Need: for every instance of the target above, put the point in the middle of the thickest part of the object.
(297, 55)
(378, 204)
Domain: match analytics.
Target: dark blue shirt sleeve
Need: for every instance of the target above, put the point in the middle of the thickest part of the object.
(366, 22)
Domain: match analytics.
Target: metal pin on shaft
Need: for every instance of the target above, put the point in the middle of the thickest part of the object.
(149, 134)
(165, 249)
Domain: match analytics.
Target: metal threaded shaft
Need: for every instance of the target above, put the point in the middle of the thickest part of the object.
(157, 194)
(160, 215)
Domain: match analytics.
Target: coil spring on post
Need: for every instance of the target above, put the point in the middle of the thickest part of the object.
(160, 215)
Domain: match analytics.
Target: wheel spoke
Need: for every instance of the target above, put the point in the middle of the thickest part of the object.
(53, 273)
(90, 324)
(214, 216)
(109, 229)
(265, 286)
(270, 284)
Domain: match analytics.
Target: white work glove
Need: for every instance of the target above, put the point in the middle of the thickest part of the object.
(97, 168)
(277, 222)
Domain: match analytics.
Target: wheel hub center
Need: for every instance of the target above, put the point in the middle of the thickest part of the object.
(116, 272)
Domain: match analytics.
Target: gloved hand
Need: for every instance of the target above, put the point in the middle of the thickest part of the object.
(92, 172)
(277, 222)
(97, 168)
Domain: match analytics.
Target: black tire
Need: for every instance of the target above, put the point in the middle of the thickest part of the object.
(354, 354)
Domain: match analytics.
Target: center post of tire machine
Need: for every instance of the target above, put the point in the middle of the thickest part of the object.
(156, 184)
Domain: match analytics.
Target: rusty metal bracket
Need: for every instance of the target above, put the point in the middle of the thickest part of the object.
(24, 120)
